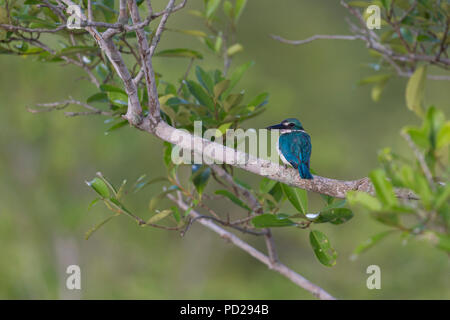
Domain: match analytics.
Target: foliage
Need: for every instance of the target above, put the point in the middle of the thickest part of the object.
(410, 30)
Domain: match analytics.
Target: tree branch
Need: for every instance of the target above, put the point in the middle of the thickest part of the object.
(373, 42)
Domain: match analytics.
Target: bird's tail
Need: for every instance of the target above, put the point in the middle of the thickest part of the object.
(303, 170)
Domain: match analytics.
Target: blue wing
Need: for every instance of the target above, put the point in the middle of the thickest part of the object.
(296, 148)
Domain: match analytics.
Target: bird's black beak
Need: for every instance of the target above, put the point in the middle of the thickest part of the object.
(276, 126)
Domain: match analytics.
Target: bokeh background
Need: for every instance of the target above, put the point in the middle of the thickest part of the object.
(45, 159)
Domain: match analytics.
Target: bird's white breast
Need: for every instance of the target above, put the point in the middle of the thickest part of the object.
(281, 155)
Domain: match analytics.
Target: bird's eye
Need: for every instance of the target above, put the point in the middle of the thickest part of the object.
(291, 124)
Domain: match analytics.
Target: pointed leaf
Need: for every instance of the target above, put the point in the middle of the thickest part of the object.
(199, 93)
(98, 226)
(99, 186)
(322, 248)
(200, 177)
(220, 88)
(334, 216)
(237, 75)
(159, 216)
(269, 220)
(211, 7)
(239, 8)
(415, 90)
(369, 243)
(383, 188)
(204, 79)
(297, 197)
(233, 198)
(179, 53)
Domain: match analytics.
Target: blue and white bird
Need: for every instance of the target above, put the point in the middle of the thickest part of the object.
(294, 146)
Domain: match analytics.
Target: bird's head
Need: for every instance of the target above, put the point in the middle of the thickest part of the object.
(288, 125)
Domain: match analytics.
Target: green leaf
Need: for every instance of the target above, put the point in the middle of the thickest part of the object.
(269, 220)
(199, 93)
(375, 79)
(223, 127)
(239, 8)
(322, 248)
(334, 216)
(98, 97)
(211, 7)
(386, 3)
(443, 242)
(167, 153)
(418, 136)
(442, 197)
(260, 100)
(233, 198)
(116, 126)
(383, 188)
(76, 49)
(377, 90)
(266, 185)
(389, 218)
(415, 90)
(369, 243)
(98, 226)
(237, 75)
(443, 136)
(204, 79)
(118, 98)
(111, 88)
(179, 53)
(99, 186)
(435, 119)
(195, 33)
(176, 213)
(93, 203)
(364, 199)
(141, 183)
(218, 43)
(109, 184)
(297, 197)
(159, 216)
(121, 189)
(200, 177)
(439, 240)
(232, 101)
(228, 9)
(196, 13)
(220, 88)
(235, 48)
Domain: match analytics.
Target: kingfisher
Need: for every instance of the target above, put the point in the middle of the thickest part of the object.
(294, 146)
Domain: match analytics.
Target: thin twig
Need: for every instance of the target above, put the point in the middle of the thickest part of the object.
(316, 37)
(278, 267)
(47, 107)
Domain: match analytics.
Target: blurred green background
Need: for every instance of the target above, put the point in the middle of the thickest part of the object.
(45, 159)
